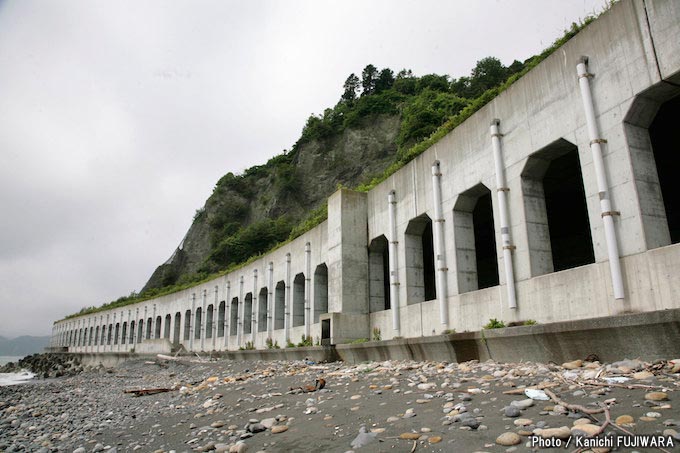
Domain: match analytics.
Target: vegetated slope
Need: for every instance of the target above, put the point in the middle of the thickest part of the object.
(251, 213)
(348, 145)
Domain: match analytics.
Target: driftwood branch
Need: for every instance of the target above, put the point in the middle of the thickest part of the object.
(145, 392)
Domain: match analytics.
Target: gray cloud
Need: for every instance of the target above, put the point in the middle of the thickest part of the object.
(117, 118)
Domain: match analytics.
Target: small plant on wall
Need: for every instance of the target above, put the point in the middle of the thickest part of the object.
(376, 334)
(494, 324)
(271, 344)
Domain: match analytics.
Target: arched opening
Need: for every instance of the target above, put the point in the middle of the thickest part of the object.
(110, 334)
(96, 336)
(555, 208)
(379, 274)
(123, 336)
(140, 331)
(279, 305)
(420, 275)
(473, 227)
(299, 300)
(197, 323)
(157, 332)
(117, 335)
(85, 336)
(131, 340)
(178, 328)
(209, 321)
(233, 319)
(653, 137)
(166, 326)
(262, 310)
(149, 321)
(102, 340)
(89, 343)
(248, 313)
(221, 312)
(187, 325)
(320, 291)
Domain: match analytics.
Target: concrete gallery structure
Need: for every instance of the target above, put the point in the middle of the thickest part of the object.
(558, 201)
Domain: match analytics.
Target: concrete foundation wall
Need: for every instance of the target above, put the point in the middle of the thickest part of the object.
(633, 55)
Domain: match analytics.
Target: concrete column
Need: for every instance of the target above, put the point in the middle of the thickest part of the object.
(227, 315)
(308, 284)
(192, 321)
(286, 310)
(203, 318)
(153, 323)
(255, 309)
(99, 334)
(129, 329)
(215, 317)
(134, 335)
(394, 263)
(239, 313)
(144, 325)
(607, 212)
(270, 301)
(440, 248)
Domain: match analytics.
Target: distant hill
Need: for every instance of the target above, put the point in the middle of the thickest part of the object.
(24, 345)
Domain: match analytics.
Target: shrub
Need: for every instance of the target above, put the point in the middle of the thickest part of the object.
(494, 324)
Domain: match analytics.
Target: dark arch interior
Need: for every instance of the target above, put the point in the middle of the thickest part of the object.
(664, 134)
(428, 262)
(485, 242)
(568, 223)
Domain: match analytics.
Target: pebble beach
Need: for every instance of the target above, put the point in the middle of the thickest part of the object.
(192, 404)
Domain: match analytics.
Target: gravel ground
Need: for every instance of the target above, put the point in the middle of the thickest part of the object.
(393, 406)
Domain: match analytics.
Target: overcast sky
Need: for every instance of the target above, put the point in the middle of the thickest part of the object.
(117, 118)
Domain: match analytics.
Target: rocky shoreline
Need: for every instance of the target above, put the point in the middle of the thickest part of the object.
(47, 365)
(397, 406)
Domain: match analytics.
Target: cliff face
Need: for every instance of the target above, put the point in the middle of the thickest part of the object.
(287, 190)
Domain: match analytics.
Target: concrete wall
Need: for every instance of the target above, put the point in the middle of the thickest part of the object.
(633, 54)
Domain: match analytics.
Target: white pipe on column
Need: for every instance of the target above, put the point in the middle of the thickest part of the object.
(239, 313)
(134, 335)
(286, 310)
(254, 309)
(192, 321)
(394, 271)
(127, 333)
(153, 323)
(215, 317)
(227, 315)
(501, 192)
(99, 340)
(115, 333)
(308, 282)
(204, 318)
(602, 186)
(270, 300)
(440, 247)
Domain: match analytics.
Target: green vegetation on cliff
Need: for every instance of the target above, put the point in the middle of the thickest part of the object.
(381, 122)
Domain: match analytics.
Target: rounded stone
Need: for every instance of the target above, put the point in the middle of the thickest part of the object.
(624, 420)
(588, 429)
(656, 396)
(508, 439)
(512, 411)
(409, 436)
(437, 439)
(279, 429)
(523, 422)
